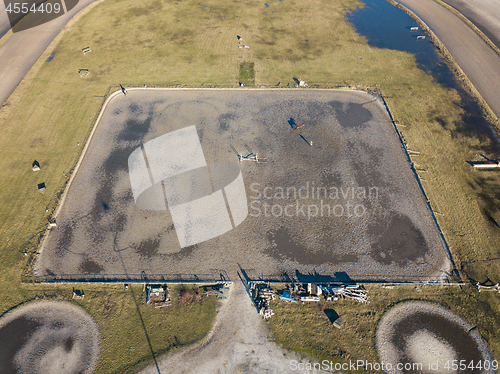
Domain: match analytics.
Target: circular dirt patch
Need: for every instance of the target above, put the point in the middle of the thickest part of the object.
(48, 337)
(419, 337)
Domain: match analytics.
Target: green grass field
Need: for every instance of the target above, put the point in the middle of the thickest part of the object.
(247, 73)
(194, 43)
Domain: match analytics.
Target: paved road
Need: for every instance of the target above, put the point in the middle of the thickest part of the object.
(475, 57)
(22, 49)
(485, 14)
(4, 20)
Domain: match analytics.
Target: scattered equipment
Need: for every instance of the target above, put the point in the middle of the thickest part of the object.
(249, 157)
(488, 163)
(123, 90)
(261, 294)
(84, 73)
(307, 141)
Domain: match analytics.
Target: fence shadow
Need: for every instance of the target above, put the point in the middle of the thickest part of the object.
(217, 276)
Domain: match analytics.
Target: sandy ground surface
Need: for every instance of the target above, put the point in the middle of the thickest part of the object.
(485, 14)
(417, 333)
(238, 343)
(475, 57)
(48, 337)
(22, 49)
(101, 230)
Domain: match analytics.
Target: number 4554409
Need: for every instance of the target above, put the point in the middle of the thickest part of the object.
(26, 8)
(463, 365)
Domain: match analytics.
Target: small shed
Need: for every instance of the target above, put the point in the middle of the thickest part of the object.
(35, 166)
(334, 318)
(488, 164)
(41, 187)
(155, 294)
(78, 294)
(313, 289)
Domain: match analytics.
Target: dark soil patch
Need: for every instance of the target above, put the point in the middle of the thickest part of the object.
(225, 121)
(397, 241)
(68, 344)
(89, 266)
(12, 337)
(284, 246)
(148, 248)
(354, 115)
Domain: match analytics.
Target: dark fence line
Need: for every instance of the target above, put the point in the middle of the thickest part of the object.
(422, 189)
(247, 276)
(216, 277)
(342, 278)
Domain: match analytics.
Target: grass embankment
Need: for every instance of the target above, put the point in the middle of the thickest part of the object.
(194, 43)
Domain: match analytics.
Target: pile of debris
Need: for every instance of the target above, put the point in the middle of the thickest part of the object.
(330, 292)
(262, 294)
(157, 295)
(353, 291)
(220, 290)
(299, 292)
(495, 287)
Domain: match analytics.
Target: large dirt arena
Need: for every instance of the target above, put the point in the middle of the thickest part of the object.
(337, 196)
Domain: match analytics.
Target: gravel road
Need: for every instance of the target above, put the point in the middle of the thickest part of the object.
(22, 49)
(475, 57)
(485, 14)
(238, 343)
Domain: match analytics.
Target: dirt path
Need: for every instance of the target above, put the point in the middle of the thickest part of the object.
(22, 49)
(475, 57)
(238, 343)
